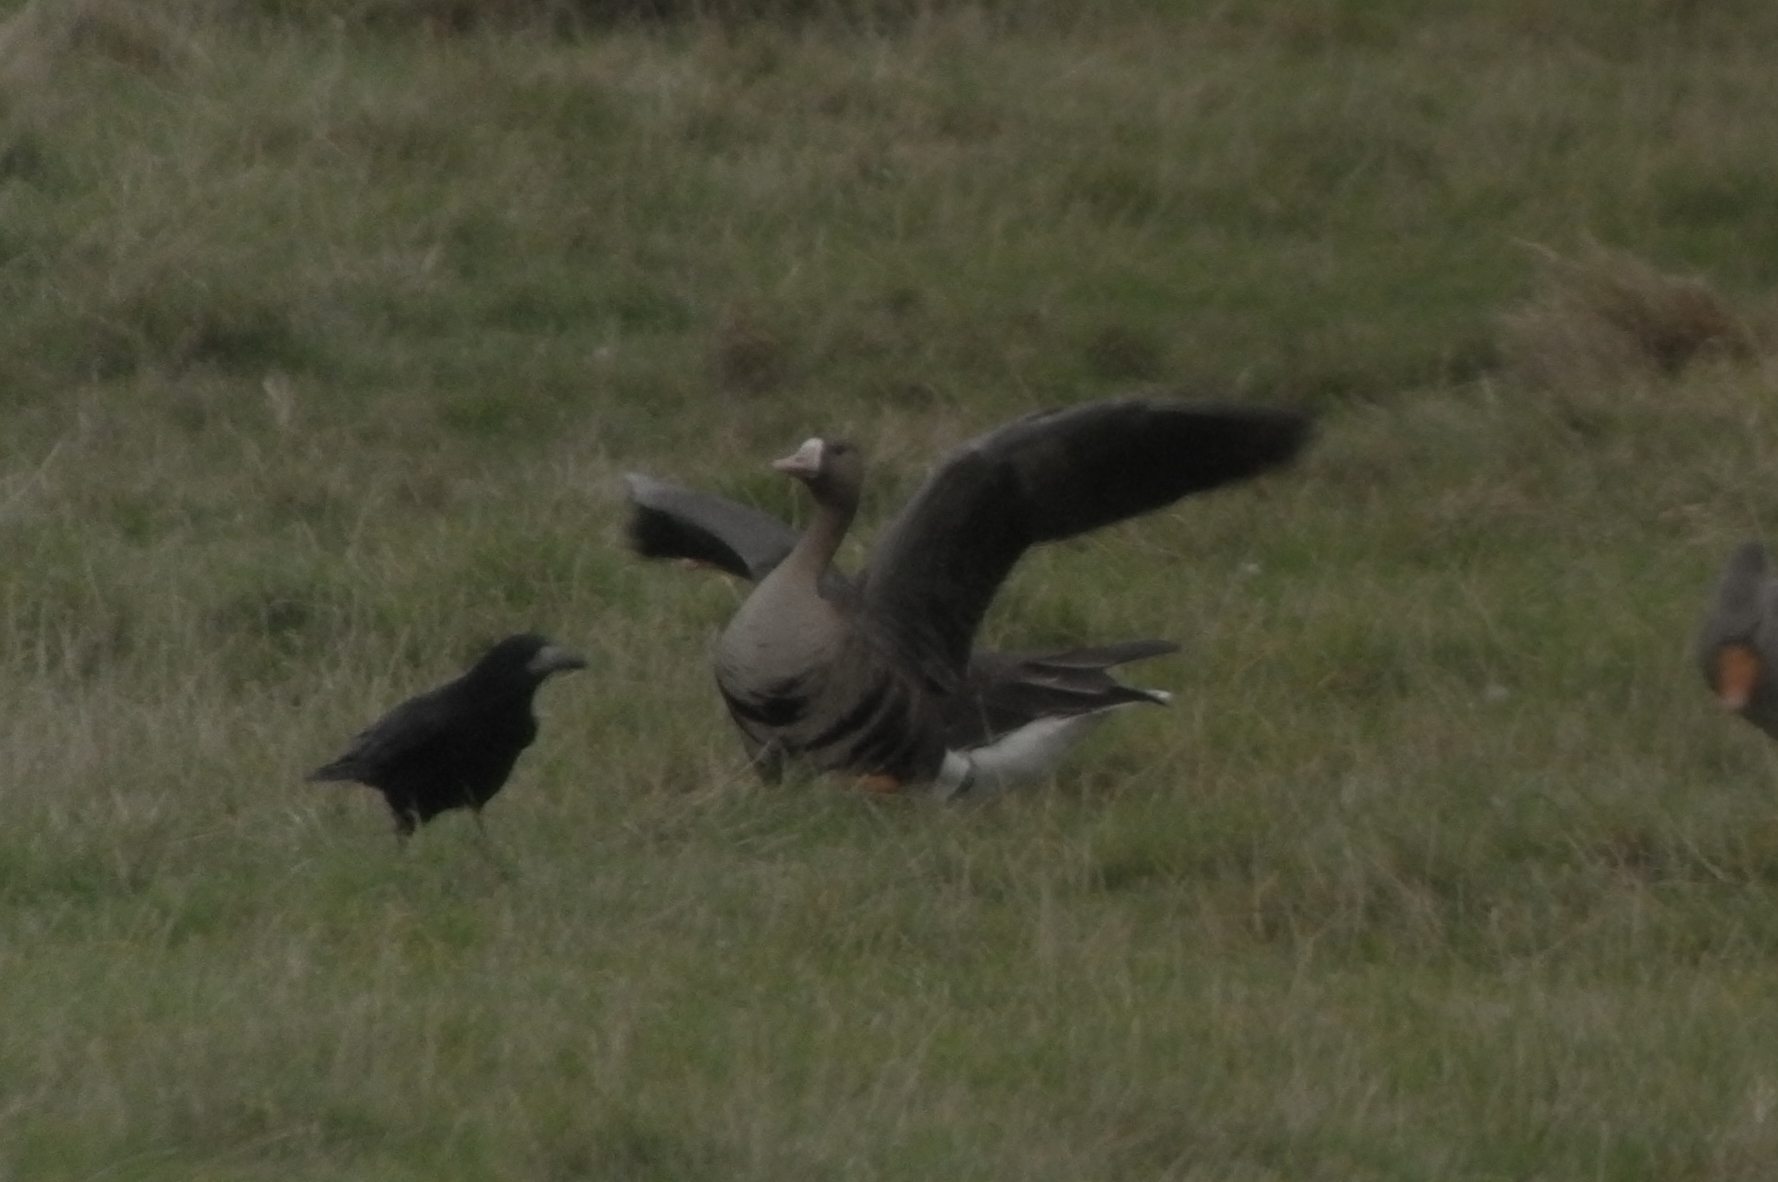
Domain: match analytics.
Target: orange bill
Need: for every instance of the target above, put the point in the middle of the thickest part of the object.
(1737, 671)
(881, 783)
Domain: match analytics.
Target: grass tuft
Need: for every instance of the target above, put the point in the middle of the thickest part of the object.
(747, 358)
(1608, 317)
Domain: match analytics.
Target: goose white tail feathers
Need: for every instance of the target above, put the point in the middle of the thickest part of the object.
(1031, 752)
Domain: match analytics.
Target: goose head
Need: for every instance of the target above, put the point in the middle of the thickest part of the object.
(833, 470)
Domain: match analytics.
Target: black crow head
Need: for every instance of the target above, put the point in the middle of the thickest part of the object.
(524, 660)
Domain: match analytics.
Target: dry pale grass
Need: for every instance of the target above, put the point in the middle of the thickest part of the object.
(1606, 316)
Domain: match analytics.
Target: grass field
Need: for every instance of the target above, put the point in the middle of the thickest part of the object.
(329, 329)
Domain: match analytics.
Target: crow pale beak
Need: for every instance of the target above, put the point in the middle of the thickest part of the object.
(553, 658)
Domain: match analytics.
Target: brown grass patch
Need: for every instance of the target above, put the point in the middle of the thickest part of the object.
(1607, 316)
(747, 356)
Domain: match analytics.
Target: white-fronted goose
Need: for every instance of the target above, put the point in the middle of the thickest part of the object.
(1018, 714)
(1738, 643)
(866, 678)
(453, 747)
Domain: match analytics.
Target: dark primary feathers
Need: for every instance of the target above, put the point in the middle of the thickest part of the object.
(454, 746)
(669, 521)
(877, 676)
(1737, 646)
(1044, 477)
(1005, 691)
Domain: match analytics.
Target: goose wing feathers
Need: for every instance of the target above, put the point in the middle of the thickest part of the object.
(1004, 691)
(670, 521)
(1044, 477)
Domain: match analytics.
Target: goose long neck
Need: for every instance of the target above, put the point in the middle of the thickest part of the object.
(814, 551)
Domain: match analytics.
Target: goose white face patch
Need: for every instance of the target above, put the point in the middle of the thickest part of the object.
(805, 462)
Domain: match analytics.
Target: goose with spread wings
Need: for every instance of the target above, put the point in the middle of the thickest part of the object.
(1018, 714)
(877, 676)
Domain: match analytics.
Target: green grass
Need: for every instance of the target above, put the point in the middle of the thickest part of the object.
(326, 342)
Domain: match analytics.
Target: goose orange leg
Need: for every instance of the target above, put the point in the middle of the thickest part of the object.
(1737, 672)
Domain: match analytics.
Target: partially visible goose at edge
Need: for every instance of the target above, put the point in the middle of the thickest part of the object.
(862, 678)
(1738, 643)
(1018, 714)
